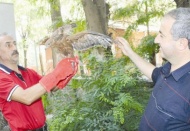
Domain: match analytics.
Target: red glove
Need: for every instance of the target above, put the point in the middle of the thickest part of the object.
(63, 69)
(61, 84)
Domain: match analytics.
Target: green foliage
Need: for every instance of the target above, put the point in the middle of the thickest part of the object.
(81, 26)
(107, 100)
(41, 7)
(126, 12)
(141, 13)
(46, 103)
(147, 48)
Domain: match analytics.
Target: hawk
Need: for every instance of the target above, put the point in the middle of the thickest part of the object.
(65, 42)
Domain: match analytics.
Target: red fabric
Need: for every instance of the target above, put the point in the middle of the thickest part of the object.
(64, 82)
(20, 117)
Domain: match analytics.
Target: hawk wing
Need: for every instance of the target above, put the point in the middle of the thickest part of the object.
(87, 39)
(64, 42)
(59, 34)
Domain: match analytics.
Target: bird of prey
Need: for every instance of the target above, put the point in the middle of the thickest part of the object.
(65, 42)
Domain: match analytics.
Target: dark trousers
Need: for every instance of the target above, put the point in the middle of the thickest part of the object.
(44, 128)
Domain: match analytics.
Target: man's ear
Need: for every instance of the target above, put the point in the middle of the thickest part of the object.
(183, 44)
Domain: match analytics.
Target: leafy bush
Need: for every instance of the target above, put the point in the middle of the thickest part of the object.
(148, 49)
(110, 99)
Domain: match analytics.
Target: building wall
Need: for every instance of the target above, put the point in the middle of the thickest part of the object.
(135, 39)
(7, 20)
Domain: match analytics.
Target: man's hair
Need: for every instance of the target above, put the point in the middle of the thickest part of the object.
(3, 34)
(181, 27)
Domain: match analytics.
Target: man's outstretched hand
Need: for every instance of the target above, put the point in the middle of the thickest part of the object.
(61, 75)
(62, 83)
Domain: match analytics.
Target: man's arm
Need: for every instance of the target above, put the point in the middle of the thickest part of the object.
(145, 67)
(29, 95)
(63, 72)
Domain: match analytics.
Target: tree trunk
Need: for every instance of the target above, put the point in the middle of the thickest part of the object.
(24, 33)
(55, 11)
(182, 3)
(25, 54)
(55, 17)
(96, 15)
(97, 12)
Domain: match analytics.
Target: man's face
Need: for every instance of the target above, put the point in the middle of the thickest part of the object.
(8, 50)
(165, 40)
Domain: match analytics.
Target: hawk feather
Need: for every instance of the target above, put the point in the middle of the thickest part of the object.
(65, 42)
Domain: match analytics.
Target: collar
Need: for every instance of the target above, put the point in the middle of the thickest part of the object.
(8, 70)
(177, 74)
